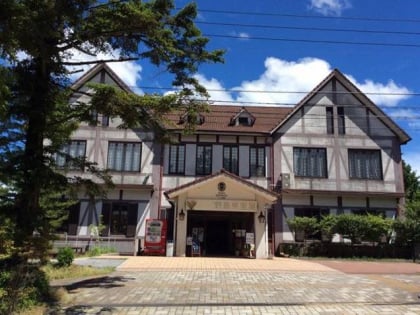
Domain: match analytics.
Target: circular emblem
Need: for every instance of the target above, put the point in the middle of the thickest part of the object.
(221, 186)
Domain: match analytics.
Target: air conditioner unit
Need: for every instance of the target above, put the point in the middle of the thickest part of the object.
(285, 180)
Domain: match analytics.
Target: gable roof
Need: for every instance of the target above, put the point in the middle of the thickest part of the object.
(340, 77)
(91, 73)
(268, 194)
(218, 119)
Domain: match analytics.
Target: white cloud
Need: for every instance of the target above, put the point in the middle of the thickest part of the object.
(284, 76)
(128, 71)
(389, 94)
(299, 76)
(240, 35)
(329, 7)
(402, 114)
(217, 92)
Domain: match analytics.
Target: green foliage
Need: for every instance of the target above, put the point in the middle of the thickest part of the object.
(99, 250)
(327, 226)
(21, 287)
(411, 183)
(38, 39)
(351, 226)
(306, 225)
(65, 257)
(407, 228)
(376, 228)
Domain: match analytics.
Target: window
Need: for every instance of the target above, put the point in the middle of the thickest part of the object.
(71, 155)
(310, 162)
(365, 164)
(341, 121)
(177, 159)
(119, 218)
(105, 121)
(243, 121)
(330, 120)
(204, 160)
(230, 159)
(257, 161)
(124, 156)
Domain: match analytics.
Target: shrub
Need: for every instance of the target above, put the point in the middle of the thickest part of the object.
(352, 226)
(306, 225)
(327, 226)
(65, 257)
(376, 227)
(21, 287)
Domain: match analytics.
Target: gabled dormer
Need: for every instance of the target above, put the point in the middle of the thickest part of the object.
(187, 117)
(242, 118)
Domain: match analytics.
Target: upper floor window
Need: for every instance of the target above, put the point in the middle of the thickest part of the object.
(71, 155)
(310, 162)
(230, 159)
(204, 160)
(177, 159)
(365, 164)
(257, 161)
(330, 120)
(341, 120)
(124, 156)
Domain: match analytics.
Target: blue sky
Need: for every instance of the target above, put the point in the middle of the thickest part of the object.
(285, 45)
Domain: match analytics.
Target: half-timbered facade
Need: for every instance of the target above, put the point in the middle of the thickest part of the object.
(229, 187)
(131, 157)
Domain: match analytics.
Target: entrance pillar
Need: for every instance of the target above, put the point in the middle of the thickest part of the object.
(261, 234)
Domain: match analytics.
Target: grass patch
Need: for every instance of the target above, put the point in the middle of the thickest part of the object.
(100, 250)
(74, 271)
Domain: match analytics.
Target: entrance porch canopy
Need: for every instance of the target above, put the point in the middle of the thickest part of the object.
(208, 191)
(222, 192)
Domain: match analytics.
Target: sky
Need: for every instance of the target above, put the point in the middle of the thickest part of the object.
(279, 46)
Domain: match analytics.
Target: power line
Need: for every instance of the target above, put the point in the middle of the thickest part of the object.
(303, 16)
(310, 28)
(289, 92)
(315, 41)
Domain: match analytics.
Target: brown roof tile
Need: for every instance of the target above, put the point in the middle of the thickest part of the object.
(219, 119)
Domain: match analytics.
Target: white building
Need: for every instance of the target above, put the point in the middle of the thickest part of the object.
(231, 185)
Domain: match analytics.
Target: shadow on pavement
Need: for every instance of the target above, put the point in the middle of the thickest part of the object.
(102, 282)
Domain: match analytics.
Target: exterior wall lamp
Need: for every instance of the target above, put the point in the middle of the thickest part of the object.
(261, 217)
(181, 215)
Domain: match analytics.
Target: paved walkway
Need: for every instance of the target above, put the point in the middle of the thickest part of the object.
(176, 285)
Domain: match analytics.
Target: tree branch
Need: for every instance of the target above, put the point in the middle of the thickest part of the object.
(82, 63)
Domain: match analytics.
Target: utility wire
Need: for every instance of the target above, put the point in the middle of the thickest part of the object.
(319, 41)
(348, 30)
(287, 92)
(350, 18)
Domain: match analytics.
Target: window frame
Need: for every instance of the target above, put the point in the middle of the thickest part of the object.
(367, 170)
(179, 168)
(123, 166)
(201, 169)
(341, 120)
(63, 158)
(329, 114)
(230, 148)
(311, 173)
(127, 221)
(253, 171)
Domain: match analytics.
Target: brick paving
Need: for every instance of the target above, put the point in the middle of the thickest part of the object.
(175, 285)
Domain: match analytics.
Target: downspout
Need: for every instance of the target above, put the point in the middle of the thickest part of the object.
(273, 212)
